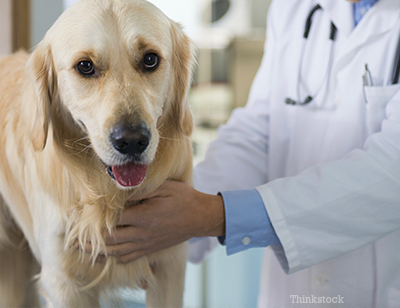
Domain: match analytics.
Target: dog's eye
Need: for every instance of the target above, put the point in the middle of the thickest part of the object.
(151, 61)
(86, 67)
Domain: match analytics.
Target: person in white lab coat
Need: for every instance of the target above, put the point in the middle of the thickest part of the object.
(327, 172)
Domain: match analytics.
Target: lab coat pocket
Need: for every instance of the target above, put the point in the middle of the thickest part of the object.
(377, 99)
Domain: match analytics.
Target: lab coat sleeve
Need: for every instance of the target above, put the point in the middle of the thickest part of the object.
(228, 164)
(332, 209)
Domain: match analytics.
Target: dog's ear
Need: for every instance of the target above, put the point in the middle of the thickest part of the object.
(183, 62)
(41, 68)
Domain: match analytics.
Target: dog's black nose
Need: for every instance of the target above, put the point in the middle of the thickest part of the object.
(130, 141)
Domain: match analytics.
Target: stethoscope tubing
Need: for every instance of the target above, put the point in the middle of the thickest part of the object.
(332, 36)
(396, 65)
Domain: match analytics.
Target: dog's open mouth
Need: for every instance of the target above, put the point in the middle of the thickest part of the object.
(128, 175)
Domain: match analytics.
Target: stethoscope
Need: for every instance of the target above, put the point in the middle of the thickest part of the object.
(332, 37)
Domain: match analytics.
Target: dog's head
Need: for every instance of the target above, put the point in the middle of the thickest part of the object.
(120, 69)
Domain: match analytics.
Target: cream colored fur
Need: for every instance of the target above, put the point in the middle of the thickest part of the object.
(54, 135)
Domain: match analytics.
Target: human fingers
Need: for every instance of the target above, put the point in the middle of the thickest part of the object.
(123, 235)
(101, 259)
(122, 249)
(163, 190)
(125, 253)
(136, 199)
(134, 255)
(88, 248)
(125, 259)
(169, 193)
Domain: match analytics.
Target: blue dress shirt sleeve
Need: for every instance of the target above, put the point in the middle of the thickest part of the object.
(247, 222)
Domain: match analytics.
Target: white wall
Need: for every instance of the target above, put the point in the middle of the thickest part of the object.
(5, 27)
(182, 11)
(185, 12)
(68, 3)
(43, 14)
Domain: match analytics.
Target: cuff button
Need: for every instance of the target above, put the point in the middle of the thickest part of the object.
(246, 240)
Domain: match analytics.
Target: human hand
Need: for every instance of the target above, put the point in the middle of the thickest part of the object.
(171, 215)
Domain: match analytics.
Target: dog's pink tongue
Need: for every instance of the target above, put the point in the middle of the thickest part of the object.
(129, 175)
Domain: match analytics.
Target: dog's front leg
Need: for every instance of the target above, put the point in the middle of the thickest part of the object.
(59, 286)
(60, 292)
(167, 288)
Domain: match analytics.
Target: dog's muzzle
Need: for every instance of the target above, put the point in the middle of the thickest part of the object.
(131, 142)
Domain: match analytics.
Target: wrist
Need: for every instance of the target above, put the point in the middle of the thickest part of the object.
(214, 215)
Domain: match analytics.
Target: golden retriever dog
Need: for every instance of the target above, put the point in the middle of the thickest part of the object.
(95, 116)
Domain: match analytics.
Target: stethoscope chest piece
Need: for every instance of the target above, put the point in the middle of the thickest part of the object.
(306, 101)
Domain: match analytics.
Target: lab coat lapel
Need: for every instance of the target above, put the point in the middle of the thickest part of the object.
(379, 19)
(382, 17)
(340, 13)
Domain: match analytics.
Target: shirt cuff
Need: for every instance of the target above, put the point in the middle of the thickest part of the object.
(247, 222)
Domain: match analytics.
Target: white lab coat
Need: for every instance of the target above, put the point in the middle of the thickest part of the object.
(332, 167)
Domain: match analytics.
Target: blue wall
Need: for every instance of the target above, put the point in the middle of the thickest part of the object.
(233, 281)
(224, 282)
